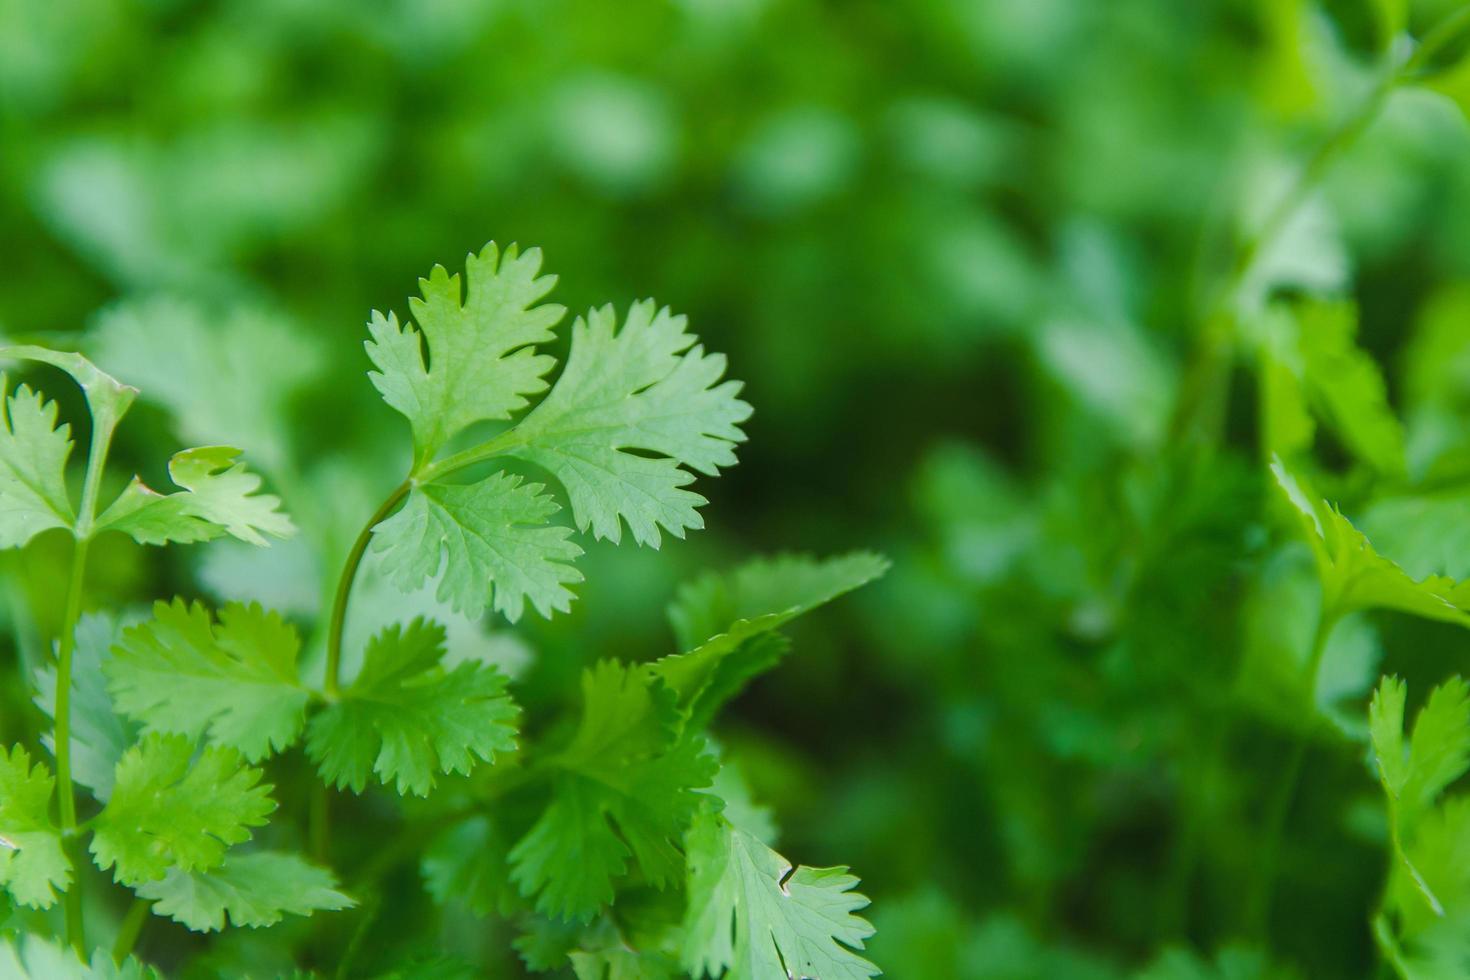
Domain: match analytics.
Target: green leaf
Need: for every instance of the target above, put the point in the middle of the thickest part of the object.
(1438, 753)
(766, 594)
(1386, 728)
(741, 809)
(632, 409)
(480, 362)
(30, 957)
(1439, 747)
(168, 812)
(253, 890)
(1427, 534)
(626, 788)
(1353, 575)
(181, 673)
(1438, 859)
(406, 718)
(490, 539)
(108, 399)
(721, 621)
(568, 860)
(33, 866)
(218, 497)
(751, 915)
(33, 453)
(99, 736)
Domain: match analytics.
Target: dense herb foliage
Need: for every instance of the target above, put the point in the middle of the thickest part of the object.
(625, 803)
(1136, 333)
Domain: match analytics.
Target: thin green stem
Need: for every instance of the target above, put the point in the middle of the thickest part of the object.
(422, 474)
(344, 586)
(66, 793)
(131, 928)
(103, 427)
(498, 446)
(319, 814)
(66, 645)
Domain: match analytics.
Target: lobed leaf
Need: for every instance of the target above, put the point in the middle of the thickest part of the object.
(31, 957)
(219, 497)
(1354, 576)
(171, 811)
(752, 915)
(481, 362)
(406, 718)
(236, 680)
(724, 622)
(626, 789)
(33, 454)
(33, 866)
(492, 542)
(633, 412)
(251, 890)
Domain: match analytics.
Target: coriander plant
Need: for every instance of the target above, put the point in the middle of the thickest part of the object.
(201, 754)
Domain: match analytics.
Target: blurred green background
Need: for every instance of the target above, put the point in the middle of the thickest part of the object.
(960, 251)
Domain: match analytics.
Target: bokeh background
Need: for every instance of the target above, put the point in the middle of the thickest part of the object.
(960, 251)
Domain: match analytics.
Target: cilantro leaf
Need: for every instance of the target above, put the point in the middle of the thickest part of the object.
(492, 541)
(98, 735)
(33, 866)
(253, 890)
(634, 411)
(108, 399)
(766, 593)
(168, 812)
(30, 957)
(751, 915)
(218, 497)
(406, 718)
(181, 673)
(481, 360)
(568, 860)
(1438, 752)
(1354, 576)
(625, 787)
(723, 621)
(1437, 888)
(648, 388)
(33, 454)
